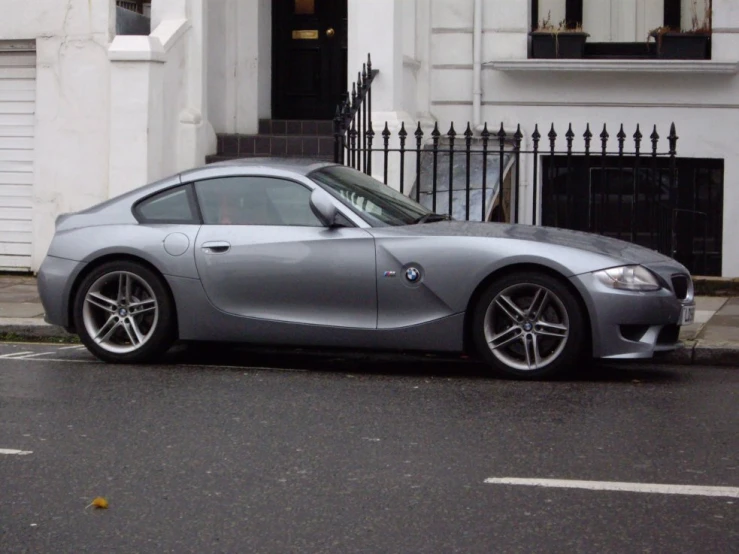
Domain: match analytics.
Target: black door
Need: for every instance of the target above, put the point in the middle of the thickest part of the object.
(308, 58)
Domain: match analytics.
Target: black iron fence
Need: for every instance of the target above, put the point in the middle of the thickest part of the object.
(671, 204)
(353, 132)
(643, 193)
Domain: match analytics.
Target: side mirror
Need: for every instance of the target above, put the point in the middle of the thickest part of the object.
(324, 208)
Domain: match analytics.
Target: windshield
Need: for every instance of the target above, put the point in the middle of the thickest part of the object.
(378, 203)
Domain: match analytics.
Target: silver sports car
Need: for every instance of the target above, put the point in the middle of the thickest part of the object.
(293, 252)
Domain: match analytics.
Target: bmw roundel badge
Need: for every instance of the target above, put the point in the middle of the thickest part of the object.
(412, 274)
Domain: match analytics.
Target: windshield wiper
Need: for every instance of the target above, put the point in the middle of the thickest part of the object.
(431, 217)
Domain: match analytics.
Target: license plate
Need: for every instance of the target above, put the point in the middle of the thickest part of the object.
(687, 315)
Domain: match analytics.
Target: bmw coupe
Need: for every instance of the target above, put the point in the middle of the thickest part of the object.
(296, 252)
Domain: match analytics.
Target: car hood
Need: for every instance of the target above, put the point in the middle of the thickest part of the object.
(619, 250)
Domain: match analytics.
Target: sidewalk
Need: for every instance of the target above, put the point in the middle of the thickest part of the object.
(712, 340)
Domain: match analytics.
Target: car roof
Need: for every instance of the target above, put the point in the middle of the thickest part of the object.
(301, 166)
(265, 166)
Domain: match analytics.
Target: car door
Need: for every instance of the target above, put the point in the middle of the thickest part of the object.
(262, 253)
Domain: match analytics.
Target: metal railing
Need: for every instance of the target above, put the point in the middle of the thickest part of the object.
(648, 196)
(353, 132)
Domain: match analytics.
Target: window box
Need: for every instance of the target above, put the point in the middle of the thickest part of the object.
(561, 44)
(683, 46)
(685, 28)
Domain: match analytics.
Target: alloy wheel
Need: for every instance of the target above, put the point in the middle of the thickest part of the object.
(120, 312)
(526, 326)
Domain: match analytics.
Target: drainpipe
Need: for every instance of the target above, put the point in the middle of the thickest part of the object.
(477, 65)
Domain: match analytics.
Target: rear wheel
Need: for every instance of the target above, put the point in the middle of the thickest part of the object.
(123, 313)
(528, 325)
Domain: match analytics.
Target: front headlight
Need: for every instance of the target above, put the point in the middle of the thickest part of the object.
(628, 277)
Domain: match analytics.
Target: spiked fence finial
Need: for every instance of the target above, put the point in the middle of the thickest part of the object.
(517, 137)
(588, 136)
(655, 140)
(672, 138)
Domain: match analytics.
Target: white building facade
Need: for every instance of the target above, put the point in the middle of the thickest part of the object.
(87, 113)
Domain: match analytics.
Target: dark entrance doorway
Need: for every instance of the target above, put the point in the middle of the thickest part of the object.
(309, 58)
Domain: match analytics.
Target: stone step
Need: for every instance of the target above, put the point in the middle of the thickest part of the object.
(275, 145)
(305, 127)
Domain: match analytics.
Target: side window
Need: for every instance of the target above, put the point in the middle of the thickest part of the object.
(255, 201)
(170, 206)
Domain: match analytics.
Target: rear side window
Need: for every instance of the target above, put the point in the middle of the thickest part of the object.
(171, 206)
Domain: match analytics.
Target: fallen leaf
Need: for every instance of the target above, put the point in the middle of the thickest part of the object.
(99, 502)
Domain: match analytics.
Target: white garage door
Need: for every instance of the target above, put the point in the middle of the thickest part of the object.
(17, 108)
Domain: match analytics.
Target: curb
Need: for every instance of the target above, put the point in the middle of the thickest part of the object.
(716, 354)
(699, 352)
(31, 330)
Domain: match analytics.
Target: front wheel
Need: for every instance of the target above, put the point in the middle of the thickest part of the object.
(124, 314)
(528, 325)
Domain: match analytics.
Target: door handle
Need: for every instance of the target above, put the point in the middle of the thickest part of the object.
(330, 32)
(216, 247)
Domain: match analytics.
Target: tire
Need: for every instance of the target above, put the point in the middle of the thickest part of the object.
(545, 340)
(123, 313)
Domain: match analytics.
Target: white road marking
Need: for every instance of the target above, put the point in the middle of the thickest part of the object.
(695, 490)
(75, 347)
(56, 360)
(25, 357)
(10, 451)
(14, 354)
(29, 359)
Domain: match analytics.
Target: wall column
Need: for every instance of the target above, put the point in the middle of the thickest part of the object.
(136, 122)
(725, 39)
(367, 22)
(197, 138)
(253, 43)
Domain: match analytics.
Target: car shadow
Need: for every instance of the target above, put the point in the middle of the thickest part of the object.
(400, 364)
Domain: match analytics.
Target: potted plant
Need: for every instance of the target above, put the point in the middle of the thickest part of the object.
(688, 44)
(557, 41)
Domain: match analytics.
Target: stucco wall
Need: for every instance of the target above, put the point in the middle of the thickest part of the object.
(425, 59)
(159, 124)
(172, 99)
(71, 144)
(98, 131)
(239, 71)
(411, 61)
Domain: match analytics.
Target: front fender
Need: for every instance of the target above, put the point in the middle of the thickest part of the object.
(454, 267)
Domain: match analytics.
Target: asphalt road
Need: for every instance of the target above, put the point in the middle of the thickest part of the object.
(243, 454)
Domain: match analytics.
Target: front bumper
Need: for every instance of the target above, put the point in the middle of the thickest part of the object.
(631, 325)
(55, 279)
